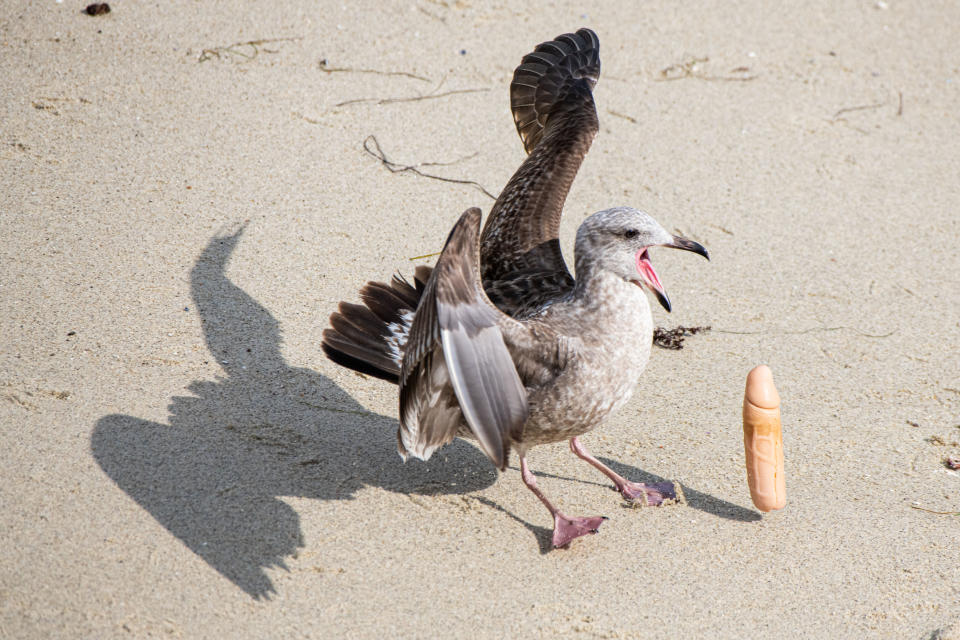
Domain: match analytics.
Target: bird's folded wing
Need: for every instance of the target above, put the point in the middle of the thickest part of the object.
(456, 343)
(552, 102)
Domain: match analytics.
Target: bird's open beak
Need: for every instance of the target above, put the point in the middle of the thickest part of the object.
(651, 279)
(649, 276)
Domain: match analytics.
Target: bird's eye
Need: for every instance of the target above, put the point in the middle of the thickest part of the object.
(630, 233)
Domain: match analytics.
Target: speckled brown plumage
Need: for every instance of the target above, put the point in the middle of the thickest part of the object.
(498, 342)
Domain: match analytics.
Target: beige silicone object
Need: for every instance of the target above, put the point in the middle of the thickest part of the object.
(763, 440)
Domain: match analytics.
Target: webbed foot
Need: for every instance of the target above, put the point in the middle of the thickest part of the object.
(566, 529)
(653, 494)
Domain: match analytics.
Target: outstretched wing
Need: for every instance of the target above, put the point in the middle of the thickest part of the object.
(552, 102)
(456, 361)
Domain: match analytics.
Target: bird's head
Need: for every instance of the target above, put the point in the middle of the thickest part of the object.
(618, 239)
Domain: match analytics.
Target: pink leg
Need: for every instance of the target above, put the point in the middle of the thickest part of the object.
(565, 529)
(648, 494)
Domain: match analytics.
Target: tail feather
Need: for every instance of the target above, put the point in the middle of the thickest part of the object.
(384, 301)
(358, 357)
(421, 274)
(371, 337)
(358, 325)
(402, 287)
(352, 356)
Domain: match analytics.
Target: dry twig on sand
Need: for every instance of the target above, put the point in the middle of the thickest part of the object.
(864, 107)
(247, 50)
(429, 96)
(808, 330)
(326, 68)
(939, 513)
(372, 147)
(426, 255)
(690, 68)
(622, 115)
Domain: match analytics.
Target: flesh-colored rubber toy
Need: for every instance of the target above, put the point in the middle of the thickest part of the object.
(763, 440)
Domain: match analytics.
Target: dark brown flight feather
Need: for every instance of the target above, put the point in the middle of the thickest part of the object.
(552, 102)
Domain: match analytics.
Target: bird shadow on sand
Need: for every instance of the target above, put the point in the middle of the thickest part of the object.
(543, 535)
(213, 474)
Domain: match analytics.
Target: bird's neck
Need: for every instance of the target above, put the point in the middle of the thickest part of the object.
(602, 292)
(612, 313)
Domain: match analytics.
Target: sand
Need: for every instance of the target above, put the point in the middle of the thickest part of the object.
(181, 211)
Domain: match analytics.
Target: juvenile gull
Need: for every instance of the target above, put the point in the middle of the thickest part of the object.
(498, 342)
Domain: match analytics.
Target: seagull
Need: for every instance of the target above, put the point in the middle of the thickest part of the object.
(498, 342)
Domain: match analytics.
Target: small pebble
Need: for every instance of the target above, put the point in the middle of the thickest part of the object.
(97, 9)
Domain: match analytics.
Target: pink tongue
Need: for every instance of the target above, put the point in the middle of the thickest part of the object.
(645, 269)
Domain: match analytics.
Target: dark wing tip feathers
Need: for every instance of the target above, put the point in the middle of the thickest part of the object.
(546, 75)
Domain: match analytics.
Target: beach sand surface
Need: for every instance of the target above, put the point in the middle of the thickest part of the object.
(187, 196)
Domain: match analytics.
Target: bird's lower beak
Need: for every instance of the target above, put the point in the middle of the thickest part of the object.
(663, 299)
(651, 279)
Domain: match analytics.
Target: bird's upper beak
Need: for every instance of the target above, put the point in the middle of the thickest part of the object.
(650, 277)
(688, 245)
